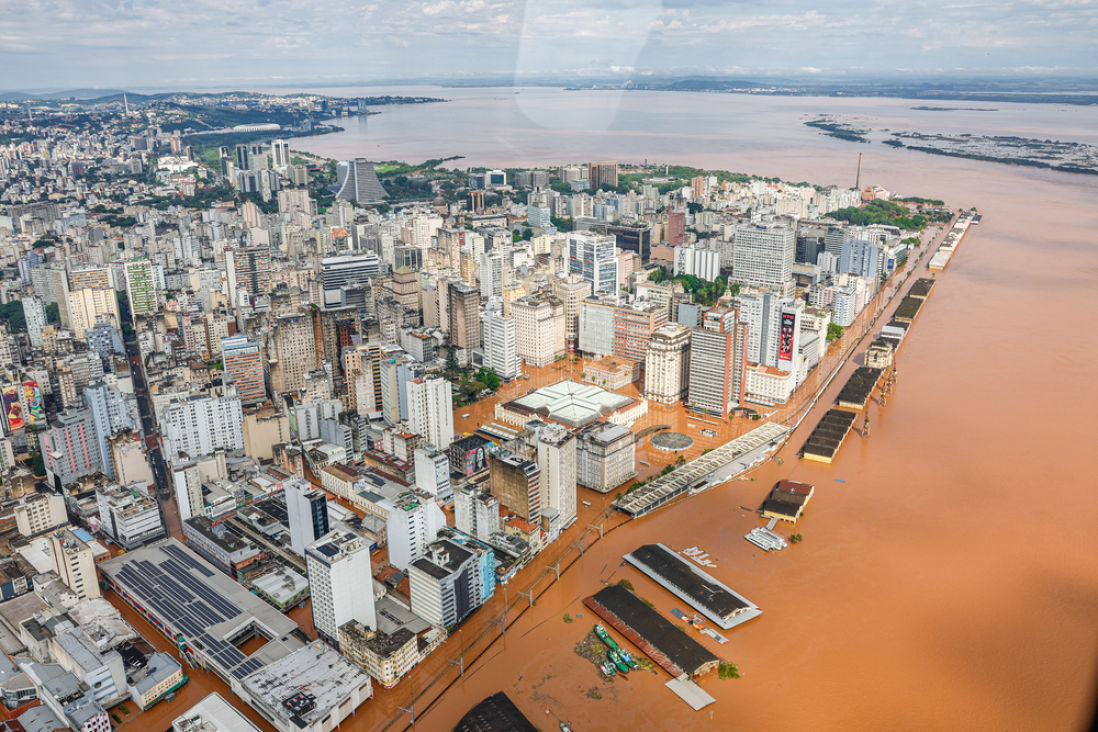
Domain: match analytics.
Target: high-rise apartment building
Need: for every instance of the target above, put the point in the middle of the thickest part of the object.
(307, 513)
(676, 228)
(463, 308)
(539, 329)
(248, 270)
(634, 325)
(291, 352)
(451, 581)
(339, 273)
(413, 523)
(499, 343)
(764, 255)
(774, 329)
(433, 471)
(70, 447)
(667, 365)
(603, 174)
(75, 564)
(476, 512)
(517, 483)
(556, 457)
(51, 283)
(109, 415)
(89, 305)
(201, 424)
(431, 410)
(571, 290)
(341, 583)
(34, 312)
(243, 361)
(494, 267)
(140, 287)
(862, 258)
(187, 487)
(594, 257)
(701, 263)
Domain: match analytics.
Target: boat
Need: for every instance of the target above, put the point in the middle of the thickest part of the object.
(608, 669)
(605, 637)
(615, 658)
(628, 658)
(563, 726)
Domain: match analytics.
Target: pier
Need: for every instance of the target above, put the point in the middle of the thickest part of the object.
(824, 442)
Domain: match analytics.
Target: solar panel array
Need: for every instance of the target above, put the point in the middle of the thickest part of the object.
(185, 604)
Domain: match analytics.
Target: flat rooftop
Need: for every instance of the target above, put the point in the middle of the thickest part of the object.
(189, 596)
(716, 601)
(315, 670)
(218, 713)
(654, 629)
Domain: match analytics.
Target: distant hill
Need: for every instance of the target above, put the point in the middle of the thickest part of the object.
(80, 94)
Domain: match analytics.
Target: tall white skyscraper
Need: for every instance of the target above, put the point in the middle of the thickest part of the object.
(34, 311)
(764, 254)
(341, 583)
(413, 523)
(307, 510)
(431, 410)
(280, 155)
(433, 471)
(773, 329)
(493, 273)
(499, 343)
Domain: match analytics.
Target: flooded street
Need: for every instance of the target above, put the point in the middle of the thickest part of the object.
(948, 576)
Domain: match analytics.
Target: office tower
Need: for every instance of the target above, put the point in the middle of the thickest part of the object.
(89, 277)
(341, 584)
(339, 273)
(280, 155)
(571, 290)
(75, 565)
(140, 287)
(517, 483)
(833, 240)
(127, 518)
(431, 410)
(603, 174)
(593, 257)
(538, 217)
(412, 525)
(307, 512)
(633, 326)
(243, 361)
(539, 329)
(291, 352)
(463, 308)
(718, 360)
(397, 370)
(861, 258)
(494, 268)
(358, 182)
(676, 228)
(187, 487)
(433, 471)
(704, 264)
(764, 255)
(828, 263)
(498, 341)
(34, 311)
(247, 269)
(109, 415)
(70, 447)
(358, 370)
(201, 424)
(243, 159)
(451, 581)
(667, 365)
(89, 305)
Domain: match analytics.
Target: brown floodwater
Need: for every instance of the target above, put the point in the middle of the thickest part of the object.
(951, 580)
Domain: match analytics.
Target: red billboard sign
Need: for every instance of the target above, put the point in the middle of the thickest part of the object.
(785, 342)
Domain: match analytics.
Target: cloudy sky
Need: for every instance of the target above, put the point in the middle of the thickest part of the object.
(63, 44)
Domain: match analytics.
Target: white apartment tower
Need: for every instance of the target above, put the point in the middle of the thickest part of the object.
(412, 525)
(539, 329)
(341, 583)
(500, 344)
(431, 410)
(764, 255)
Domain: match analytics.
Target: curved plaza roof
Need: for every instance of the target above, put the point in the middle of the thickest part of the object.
(571, 403)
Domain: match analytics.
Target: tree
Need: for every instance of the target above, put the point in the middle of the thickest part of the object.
(834, 331)
(489, 378)
(451, 359)
(53, 313)
(12, 312)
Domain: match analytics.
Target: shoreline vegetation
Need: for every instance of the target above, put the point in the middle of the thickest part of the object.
(1065, 157)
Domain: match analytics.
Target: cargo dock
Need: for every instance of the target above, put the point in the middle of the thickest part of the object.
(824, 442)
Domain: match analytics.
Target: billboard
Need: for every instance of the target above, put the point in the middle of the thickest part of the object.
(33, 399)
(13, 409)
(786, 338)
(476, 460)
